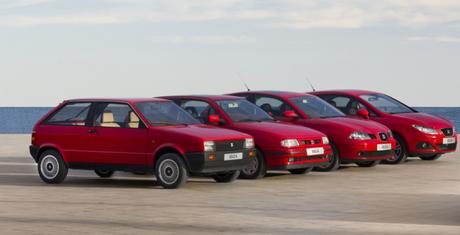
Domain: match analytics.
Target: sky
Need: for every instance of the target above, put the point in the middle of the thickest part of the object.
(52, 50)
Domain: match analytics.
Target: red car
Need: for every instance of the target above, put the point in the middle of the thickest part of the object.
(279, 146)
(136, 135)
(417, 134)
(357, 141)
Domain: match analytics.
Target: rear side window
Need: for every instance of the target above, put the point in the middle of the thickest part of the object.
(72, 114)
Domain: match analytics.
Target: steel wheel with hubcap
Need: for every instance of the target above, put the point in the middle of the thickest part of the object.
(51, 167)
(400, 155)
(256, 168)
(170, 171)
(334, 161)
(226, 177)
(431, 158)
(104, 173)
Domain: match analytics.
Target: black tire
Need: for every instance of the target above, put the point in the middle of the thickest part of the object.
(431, 158)
(256, 169)
(368, 164)
(400, 152)
(334, 161)
(170, 171)
(226, 177)
(301, 171)
(51, 167)
(104, 173)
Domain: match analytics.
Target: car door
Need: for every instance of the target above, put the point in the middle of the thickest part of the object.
(118, 135)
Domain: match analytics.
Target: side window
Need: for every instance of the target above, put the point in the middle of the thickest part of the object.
(200, 110)
(348, 105)
(72, 114)
(116, 116)
(272, 106)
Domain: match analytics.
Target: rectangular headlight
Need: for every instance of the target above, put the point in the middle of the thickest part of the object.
(290, 143)
(249, 143)
(209, 146)
(325, 140)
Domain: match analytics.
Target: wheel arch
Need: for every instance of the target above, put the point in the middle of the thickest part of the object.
(169, 149)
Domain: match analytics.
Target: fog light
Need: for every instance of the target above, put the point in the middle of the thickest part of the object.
(212, 157)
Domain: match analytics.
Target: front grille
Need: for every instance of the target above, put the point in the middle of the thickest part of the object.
(308, 142)
(448, 131)
(377, 153)
(446, 147)
(372, 136)
(383, 136)
(229, 145)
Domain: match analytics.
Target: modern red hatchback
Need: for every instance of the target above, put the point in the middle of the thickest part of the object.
(417, 134)
(136, 135)
(357, 141)
(280, 146)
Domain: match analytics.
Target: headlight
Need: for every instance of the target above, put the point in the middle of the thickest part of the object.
(390, 134)
(249, 143)
(359, 136)
(426, 130)
(325, 140)
(290, 143)
(209, 146)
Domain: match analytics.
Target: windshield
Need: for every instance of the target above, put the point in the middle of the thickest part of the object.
(243, 111)
(165, 114)
(315, 107)
(386, 104)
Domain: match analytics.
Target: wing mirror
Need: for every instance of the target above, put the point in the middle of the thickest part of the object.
(214, 119)
(290, 114)
(364, 113)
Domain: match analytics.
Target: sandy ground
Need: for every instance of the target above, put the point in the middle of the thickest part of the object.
(418, 197)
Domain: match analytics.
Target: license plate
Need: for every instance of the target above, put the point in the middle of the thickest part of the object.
(450, 140)
(233, 156)
(383, 147)
(315, 151)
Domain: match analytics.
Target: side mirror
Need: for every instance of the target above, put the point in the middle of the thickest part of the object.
(363, 113)
(214, 119)
(290, 114)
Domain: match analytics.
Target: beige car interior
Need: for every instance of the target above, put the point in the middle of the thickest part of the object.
(133, 121)
(108, 120)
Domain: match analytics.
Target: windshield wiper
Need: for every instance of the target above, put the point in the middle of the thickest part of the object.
(249, 120)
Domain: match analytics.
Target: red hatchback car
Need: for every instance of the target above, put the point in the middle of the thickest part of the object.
(363, 142)
(136, 135)
(417, 134)
(279, 146)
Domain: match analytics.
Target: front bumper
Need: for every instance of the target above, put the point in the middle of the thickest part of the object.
(34, 152)
(295, 159)
(422, 144)
(365, 151)
(199, 162)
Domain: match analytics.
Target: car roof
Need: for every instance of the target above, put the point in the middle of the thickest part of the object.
(344, 92)
(121, 100)
(206, 97)
(284, 94)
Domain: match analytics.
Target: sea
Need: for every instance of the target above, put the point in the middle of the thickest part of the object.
(20, 120)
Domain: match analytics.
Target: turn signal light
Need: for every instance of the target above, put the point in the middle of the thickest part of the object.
(252, 153)
(212, 157)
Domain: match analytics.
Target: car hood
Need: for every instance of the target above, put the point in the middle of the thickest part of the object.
(205, 132)
(277, 129)
(347, 124)
(424, 119)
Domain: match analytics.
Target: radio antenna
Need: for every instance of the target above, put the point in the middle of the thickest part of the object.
(311, 85)
(244, 83)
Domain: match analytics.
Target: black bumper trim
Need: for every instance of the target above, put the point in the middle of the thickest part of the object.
(34, 152)
(199, 163)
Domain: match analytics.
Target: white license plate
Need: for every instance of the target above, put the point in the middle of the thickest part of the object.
(383, 147)
(315, 151)
(233, 156)
(450, 140)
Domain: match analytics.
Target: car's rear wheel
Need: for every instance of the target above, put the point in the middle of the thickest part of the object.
(431, 158)
(301, 171)
(226, 177)
(256, 169)
(170, 171)
(51, 167)
(400, 154)
(334, 161)
(104, 173)
(368, 164)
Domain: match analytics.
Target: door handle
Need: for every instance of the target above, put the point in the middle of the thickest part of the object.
(92, 131)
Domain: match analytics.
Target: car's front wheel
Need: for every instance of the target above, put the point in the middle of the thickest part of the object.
(256, 169)
(431, 158)
(51, 167)
(226, 177)
(368, 164)
(400, 154)
(170, 171)
(104, 173)
(301, 171)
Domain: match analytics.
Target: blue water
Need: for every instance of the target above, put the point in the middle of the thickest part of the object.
(21, 120)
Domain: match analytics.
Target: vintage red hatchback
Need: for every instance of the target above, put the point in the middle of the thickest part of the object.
(136, 135)
(279, 146)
